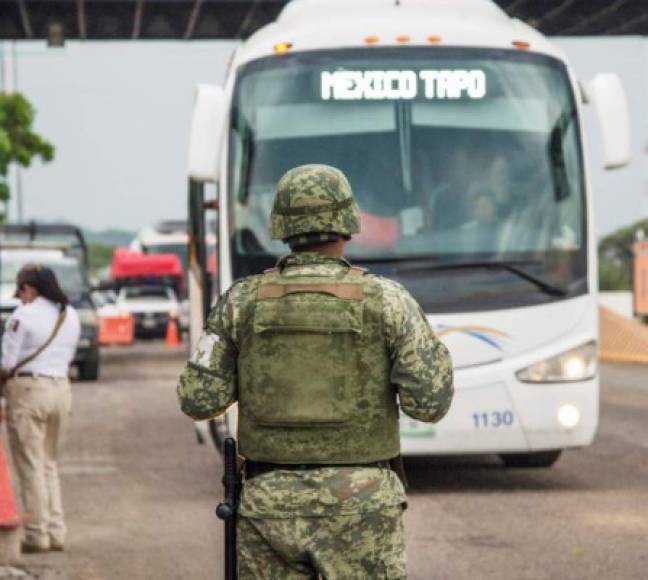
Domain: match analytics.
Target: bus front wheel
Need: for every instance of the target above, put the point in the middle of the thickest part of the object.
(532, 459)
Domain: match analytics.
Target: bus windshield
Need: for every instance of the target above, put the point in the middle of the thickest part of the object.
(457, 157)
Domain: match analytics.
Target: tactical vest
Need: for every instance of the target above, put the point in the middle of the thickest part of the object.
(314, 372)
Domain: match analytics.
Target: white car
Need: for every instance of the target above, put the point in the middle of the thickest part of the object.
(151, 307)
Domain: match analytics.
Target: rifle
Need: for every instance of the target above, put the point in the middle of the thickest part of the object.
(226, 510)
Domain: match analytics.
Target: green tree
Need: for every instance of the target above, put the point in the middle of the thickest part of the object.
(616, 257)
(18, 142)
(614, 275)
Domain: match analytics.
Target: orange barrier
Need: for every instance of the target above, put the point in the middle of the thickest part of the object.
(9, 518)
(117, 329)
(172, 338)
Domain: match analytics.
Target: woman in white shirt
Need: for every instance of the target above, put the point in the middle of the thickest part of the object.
(38, 346)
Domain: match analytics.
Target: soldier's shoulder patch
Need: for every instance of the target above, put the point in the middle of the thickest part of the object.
(203, 352)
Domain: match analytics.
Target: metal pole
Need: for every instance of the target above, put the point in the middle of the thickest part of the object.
(196, 272)
(19, 193)
(2, 68)
(9, 82)
(7, 75)
(4, 87)
(2, 322)
(18, 169)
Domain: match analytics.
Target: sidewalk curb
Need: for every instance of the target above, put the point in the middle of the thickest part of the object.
(9, 547)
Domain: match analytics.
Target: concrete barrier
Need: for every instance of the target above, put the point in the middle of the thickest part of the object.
(621, 339)
(619, 302)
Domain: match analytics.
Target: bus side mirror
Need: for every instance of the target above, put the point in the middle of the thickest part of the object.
(608, 95)
(206, 133)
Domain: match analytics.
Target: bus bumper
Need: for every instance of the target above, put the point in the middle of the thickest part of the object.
(498, 416)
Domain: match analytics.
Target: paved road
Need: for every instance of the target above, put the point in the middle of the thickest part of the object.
(587, 517)
(140, 492)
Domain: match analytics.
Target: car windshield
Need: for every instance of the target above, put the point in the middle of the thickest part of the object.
(452, 154)
(68, 272)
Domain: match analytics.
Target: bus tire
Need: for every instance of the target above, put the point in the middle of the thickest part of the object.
(531, 459)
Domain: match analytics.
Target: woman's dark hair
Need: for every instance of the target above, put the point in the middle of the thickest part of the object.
(44, 281)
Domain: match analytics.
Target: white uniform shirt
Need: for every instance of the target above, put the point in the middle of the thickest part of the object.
(29, 327)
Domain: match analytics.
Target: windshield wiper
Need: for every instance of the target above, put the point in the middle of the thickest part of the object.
(248, 147)
(512, 266)
(559, 174)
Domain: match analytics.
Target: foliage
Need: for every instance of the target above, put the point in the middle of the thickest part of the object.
(18, 142)
(614, 275)
(109, 237)
(619, 243)
(99, 255)
(616, 258)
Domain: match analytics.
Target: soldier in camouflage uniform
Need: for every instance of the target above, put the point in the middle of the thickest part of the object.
(319, 356)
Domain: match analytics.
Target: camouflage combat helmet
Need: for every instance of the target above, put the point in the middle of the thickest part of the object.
(314, 200)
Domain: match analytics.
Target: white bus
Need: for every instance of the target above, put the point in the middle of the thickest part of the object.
(459, 130)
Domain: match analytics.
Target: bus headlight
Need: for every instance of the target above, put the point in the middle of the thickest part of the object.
(577, 364)
(569, 416)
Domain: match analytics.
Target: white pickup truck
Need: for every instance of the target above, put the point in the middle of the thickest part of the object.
(151, 307)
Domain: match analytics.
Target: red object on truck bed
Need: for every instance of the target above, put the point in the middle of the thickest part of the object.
(129, 264)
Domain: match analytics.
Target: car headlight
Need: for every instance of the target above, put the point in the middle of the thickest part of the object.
(88, 317)
(577, 364)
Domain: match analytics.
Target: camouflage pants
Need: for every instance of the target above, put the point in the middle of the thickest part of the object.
(352, 547)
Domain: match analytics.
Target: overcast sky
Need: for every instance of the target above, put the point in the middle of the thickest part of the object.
(118, 113)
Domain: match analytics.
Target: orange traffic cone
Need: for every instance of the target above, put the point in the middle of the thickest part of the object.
(9, 518)
(172, 333)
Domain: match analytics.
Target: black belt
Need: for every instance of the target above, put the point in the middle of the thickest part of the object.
(254, 468)
(36, 375)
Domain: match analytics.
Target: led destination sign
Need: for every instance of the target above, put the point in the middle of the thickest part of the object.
(376, 85)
